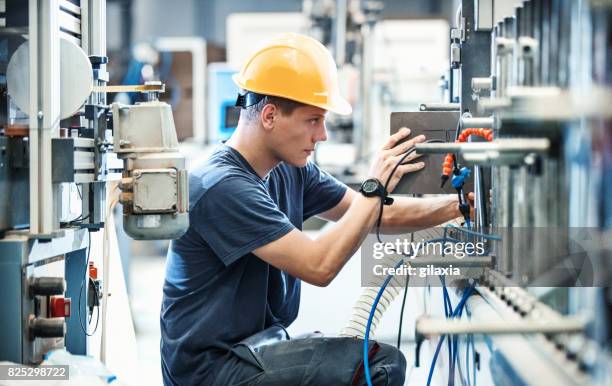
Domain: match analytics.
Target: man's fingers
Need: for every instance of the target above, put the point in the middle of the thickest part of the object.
(412, 167)
(411, 157)
(402, 133)
(470, 197)
(405, 146)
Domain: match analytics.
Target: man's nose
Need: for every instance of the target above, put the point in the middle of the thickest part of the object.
(321, 134)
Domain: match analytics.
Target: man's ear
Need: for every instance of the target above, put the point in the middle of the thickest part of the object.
(268, 115)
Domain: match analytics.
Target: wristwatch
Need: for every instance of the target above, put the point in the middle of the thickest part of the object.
(374, 188)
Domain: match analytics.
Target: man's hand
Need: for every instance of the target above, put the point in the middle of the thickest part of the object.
(470, 200)
(391, 154)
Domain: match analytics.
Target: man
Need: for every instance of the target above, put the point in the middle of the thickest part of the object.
(233, 280)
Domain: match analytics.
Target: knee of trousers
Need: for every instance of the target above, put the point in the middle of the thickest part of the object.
(393, 362)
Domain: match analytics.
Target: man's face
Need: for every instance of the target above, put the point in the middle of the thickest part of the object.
(295, 136)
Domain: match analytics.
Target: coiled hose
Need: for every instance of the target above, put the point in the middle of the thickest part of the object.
(356, 326)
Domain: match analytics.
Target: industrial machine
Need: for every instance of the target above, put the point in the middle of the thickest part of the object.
(63, 150)
(222, 92)
(530, 93)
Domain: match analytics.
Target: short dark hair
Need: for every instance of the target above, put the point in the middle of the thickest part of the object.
(286, 107)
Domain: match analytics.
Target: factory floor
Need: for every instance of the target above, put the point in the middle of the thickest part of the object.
(146, 297)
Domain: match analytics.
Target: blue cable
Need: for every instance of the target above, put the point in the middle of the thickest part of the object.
(459, 307)
(455, 346)
(448, 309)
(366, 338)
(373, 311)
(473, 358)
(470, 344)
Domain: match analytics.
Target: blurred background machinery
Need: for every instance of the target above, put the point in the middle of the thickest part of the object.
(536, 75)
(66, 153)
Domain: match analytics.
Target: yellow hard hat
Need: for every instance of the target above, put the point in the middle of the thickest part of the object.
(295, 67)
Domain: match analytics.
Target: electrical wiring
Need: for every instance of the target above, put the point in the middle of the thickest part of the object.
(452, 344)
(366, 364)
(382, 288)
(464, 298)
(80, 217)
(448, 312)
(453, 357)
(450, 160)
(371, 317)
(473, 359)
(85, 277)
(401, 320)
(397, 165)
(467, 359)
(469, 344)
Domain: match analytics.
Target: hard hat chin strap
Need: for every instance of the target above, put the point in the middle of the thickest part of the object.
(248, 99)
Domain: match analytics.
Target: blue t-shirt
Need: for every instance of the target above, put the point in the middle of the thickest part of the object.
(217, 292)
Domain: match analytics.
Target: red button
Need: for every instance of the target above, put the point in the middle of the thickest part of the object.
(59, 307)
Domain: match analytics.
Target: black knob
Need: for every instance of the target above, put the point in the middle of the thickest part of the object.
(96, 61)
(47, 328)
(47, 286)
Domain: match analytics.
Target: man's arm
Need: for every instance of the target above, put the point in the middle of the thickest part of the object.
(319, 261)
(406, 214)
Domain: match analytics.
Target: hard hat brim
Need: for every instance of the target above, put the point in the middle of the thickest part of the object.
(337, 104)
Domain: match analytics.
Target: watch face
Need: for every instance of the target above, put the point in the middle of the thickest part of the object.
(370, 186)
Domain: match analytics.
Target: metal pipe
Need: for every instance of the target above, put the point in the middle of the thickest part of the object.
(427, 325)
(434, 106)
(361, 136)
(481, 194)
(340, 38)
(478, 122)
(44, 110)
(526, 145)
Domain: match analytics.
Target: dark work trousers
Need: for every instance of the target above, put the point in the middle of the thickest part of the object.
(311, 361)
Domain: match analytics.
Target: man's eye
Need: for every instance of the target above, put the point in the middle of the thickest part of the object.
(314, 121)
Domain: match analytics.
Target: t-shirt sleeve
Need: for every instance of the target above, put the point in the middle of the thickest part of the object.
(237, 216)
(322, 191)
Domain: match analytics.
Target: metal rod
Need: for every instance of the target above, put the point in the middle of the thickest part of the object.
(479, 122)
(437, 326)
(434, 106)
(524, 145)
(44, 110)
(340, 38)
(130, 88)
